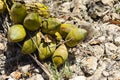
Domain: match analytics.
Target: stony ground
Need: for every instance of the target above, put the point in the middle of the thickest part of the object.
(96, 58)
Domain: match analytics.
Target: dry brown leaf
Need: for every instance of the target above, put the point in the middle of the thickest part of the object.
(114, 21)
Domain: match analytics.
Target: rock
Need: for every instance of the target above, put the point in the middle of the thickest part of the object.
(106, 18)
(16, 75)
(105, 73)
(97, 51)
(10, 78)
(103, 78)
(97, 75)
(89, 65)
(36, 77)
(115, 75)
(2, 47)
(118, 53)
(3, 42)
(40, 1)
(2, 63)
(36, 70)
(79, 78)
(75, 69)
(31, 1)
(110, 49)
(117, 41)
(107, 2)
(102, 38)
(66, 7)
(110, 38)
(24, 69)
(110, 31)
(115, 16)
(1, 77)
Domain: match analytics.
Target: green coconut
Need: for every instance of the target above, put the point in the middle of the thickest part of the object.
(46, 50)
(51, 26)
(30, 45)
(75, 36)
(18, 12)
(32, 21)
(60, 55)
(65, 28)
(16, 33)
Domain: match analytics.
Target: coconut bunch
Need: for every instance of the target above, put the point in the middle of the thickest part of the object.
(48, 33)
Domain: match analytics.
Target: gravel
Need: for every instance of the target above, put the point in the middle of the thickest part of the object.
(96, 58)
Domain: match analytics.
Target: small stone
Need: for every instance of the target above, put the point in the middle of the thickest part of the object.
(1, 77)
(105, 73)
(79, 78)
(97, 50)
(117, 41)
(16, 75)
(36, 70)
(10, 78)
(36, 77)
(66, 7)
(110, 49)
(103, 78)
(89, 65)
(98, 73)
(102, 38)
(2, 47)
(110, 38)
(2, 71)
(115, 16)
(115, 75)
(106, 18)
(24, 69)
(107, 2)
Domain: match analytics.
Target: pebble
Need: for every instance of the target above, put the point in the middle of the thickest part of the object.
(105, 73)
(2, 47)
(1, 77)
(89, 65)
(117, 41)
(107, 2)
(2, 63)
(24, 69)
(102, 38)
(10, 78)
(66, 7)
(115, 16)
(97, 50)
(114, 76)
(79, 78)
(97, 75)
(110, 49)
(16, 75)
(36, 77)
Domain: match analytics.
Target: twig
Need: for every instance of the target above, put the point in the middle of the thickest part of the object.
(7, 6)
(39, 64)
(42, 66)
(63, 42)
